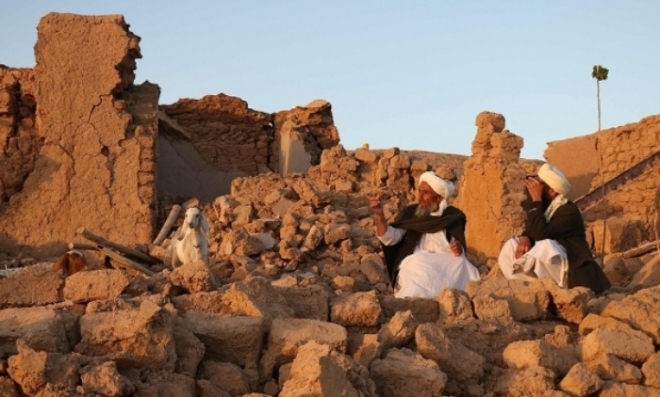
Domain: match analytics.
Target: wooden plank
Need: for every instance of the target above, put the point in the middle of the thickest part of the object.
(82, 246)
(125, 263)
(169, 222)
(641, 250)
(129, 252)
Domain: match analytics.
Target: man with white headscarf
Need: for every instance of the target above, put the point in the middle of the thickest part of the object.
(425, 245)
(554, 242)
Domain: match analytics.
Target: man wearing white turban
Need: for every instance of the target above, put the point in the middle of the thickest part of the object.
(554, 242)
(425, 245)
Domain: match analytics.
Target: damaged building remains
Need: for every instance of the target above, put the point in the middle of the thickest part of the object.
(295, 299)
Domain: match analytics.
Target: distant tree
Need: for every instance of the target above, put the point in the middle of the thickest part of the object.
(600, 74)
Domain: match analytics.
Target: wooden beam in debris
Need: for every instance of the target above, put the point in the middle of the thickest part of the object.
(129, 252)
(82, 247)
(641, 250)
(167, 226)
(125, 263)
(595, 195)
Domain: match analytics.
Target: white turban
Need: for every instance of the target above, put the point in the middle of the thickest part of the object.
(439, 185)
(554, 178)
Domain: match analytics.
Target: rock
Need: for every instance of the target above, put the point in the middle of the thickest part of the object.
(93, 285)
(225, 376)
(533, 381)
(639, 311)
(373, 267)
(580, 381)
(364, 348)
(256, 297)
(651, 371)
(454, 305)
(528, 354)
(35, 286)
(398, 332)
(287, 335)
(320, 370)
(140, 336)
(8, 387)
(33, 370)
(39, 328)
(309, 302)
(627, 346)
(570, 304)
(236, 340)
(609, 367)
(193, 277)
(611, 389)
(423, 310)
(105, 379)
(314, 238)
(647, 276)
(433, 344)
(189, 350)
(403, 373)
(527, 301)
(361, 309)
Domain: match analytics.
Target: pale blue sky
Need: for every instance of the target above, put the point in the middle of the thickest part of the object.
(412, 74)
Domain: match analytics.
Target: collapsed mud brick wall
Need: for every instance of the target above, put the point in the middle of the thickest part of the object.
(91, 161)
(210, 141)
(631, 210)
(492, 188)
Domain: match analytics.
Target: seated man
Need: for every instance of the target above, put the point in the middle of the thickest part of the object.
(554, 243)
(425, 245)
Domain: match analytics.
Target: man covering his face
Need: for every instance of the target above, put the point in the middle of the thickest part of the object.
(425, 245)
(554, 242)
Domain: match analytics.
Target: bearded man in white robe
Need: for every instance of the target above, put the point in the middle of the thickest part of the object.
(425, 245)
(554, 243)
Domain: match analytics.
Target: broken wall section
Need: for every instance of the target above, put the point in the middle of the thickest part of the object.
(632, 208)
(492, 189)
(207, 143)
(96, 163)
(19, 138)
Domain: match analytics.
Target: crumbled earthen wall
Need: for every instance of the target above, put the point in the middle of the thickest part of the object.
(19, 139)
(630, 210)
(96, 163)
(210, 141)
(492, 188)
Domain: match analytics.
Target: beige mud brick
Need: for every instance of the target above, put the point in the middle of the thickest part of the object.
(193, 277)
(189, 349)
(611, 389)
(593, 321)
(580, 381)
(226, 376)
(404, 373)
(364, 348)
(452, 357)
(640, 311)
(538, 353)
(489, 307)
(320, 370)
(235, 339)
(287, 335)
(37, 285)
(105, 379)
(93, 285)
(570, 304)
(34, 370)
(609, 367)
(526, 300)
(361, 309)
(8, 387)
(398, 332)
(39, 328)
(310, 302)
(139, 337)
(256, 297)
(454, 305)
(651, 371)
(423, 310)
(206, 302)
(533, 381)
(627, 346)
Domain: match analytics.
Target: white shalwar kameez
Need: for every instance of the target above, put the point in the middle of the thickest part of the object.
(431, 267)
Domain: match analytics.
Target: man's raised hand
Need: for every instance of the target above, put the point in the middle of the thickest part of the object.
(376, 205)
